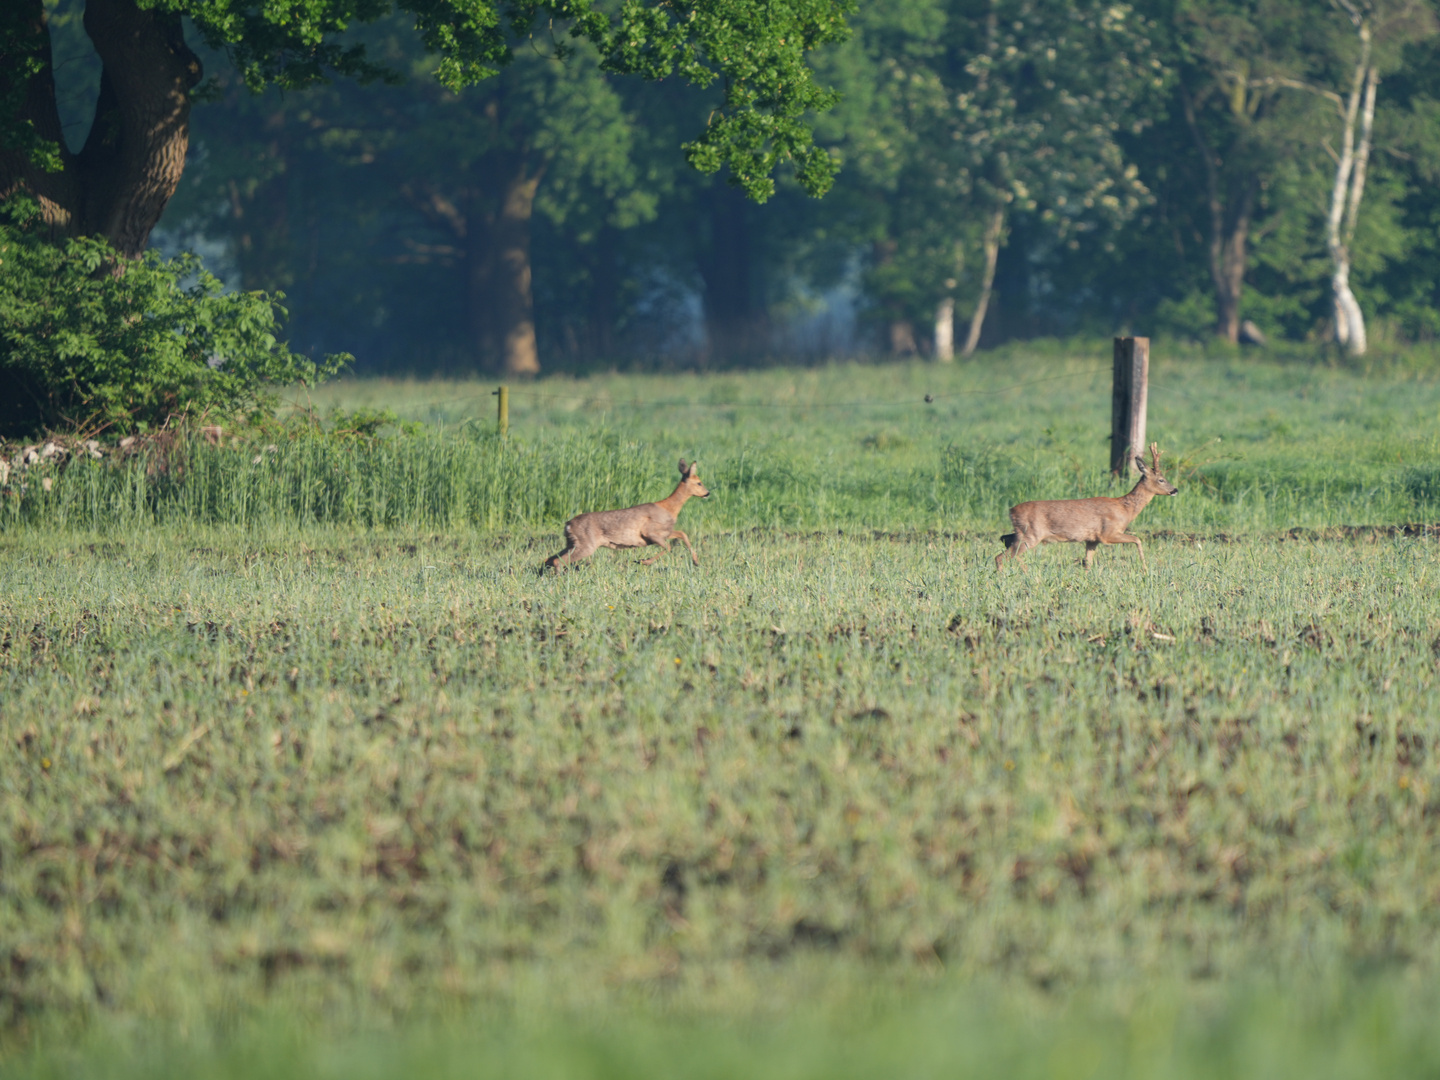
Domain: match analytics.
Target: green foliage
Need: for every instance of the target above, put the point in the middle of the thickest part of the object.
(757, 50)
(1248, 150)
(942, 119)
(1409, 286)
(954, 110)
(21, 58)
(424, 174)
(369, 423)
(92, 342)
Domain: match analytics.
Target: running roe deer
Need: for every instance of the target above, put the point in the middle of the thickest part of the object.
(648, 523)
(1096, 521)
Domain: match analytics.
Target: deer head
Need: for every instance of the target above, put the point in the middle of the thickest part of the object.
(690, 480)
(1151, 478)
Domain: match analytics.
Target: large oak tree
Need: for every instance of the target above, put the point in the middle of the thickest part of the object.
(118, 183)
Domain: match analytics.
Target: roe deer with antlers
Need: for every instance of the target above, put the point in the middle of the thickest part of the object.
(1095, 521)
(639, 526)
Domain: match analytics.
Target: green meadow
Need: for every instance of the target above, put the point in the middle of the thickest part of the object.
(308, 771)
(1259, 446)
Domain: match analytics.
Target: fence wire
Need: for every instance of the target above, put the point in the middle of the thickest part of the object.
(522, 394)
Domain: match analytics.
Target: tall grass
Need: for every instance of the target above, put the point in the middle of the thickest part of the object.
(435, 480)
(426, 481)
(1255, 446)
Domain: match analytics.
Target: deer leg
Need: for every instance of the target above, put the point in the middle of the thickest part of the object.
(678, 535)
(1009, 541)
(553, 562)
(1090, 546)
(663, 545)
(573, 553)
(1018, 547)
(1000, 559)
(1126, 538)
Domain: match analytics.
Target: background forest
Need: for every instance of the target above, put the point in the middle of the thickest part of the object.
(1008, 168)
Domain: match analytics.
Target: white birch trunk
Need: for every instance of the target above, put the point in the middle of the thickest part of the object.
(994, 230)
(945, 330)
(1345, 199)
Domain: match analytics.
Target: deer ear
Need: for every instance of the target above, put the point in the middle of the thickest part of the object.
(684, 469)
(1140, 462)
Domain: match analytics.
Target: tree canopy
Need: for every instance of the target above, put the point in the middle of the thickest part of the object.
(118, 183)
(997, 168)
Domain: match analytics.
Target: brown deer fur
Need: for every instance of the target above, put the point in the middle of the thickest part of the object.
(1095, 521)
(639, 526)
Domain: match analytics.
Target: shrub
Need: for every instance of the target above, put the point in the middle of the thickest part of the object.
(91, 341)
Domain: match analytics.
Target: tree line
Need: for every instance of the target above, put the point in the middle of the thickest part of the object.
(989, 169)
(101, 333)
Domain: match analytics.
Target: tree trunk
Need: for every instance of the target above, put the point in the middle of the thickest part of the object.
(502, 309)
(994, 234)
(1345, 198)
(118, 184)
(902, 338)
(1229, 254)
(27, 41)
(480, 275)
(262, 248)
(945, 330)
(1229, 227)
(1349, 319)
(515, 306)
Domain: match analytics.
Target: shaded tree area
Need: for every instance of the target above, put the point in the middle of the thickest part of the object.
(546, 212)
(967, 118)
(392, 178)
(1008, 168)
(407, 218)
(1241, 168)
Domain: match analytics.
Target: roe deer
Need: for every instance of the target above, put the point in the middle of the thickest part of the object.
(648, 523)
(1096, 521)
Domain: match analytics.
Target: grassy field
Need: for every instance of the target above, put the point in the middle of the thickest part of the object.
(840, 797)
(1259, 446)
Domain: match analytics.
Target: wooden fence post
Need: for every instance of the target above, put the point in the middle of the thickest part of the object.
(1127, 413)
(502, 410)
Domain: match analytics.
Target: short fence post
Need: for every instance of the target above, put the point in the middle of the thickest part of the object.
(1127, 413)
(502, 410)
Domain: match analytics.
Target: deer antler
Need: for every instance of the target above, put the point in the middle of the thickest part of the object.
(1155, 456)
